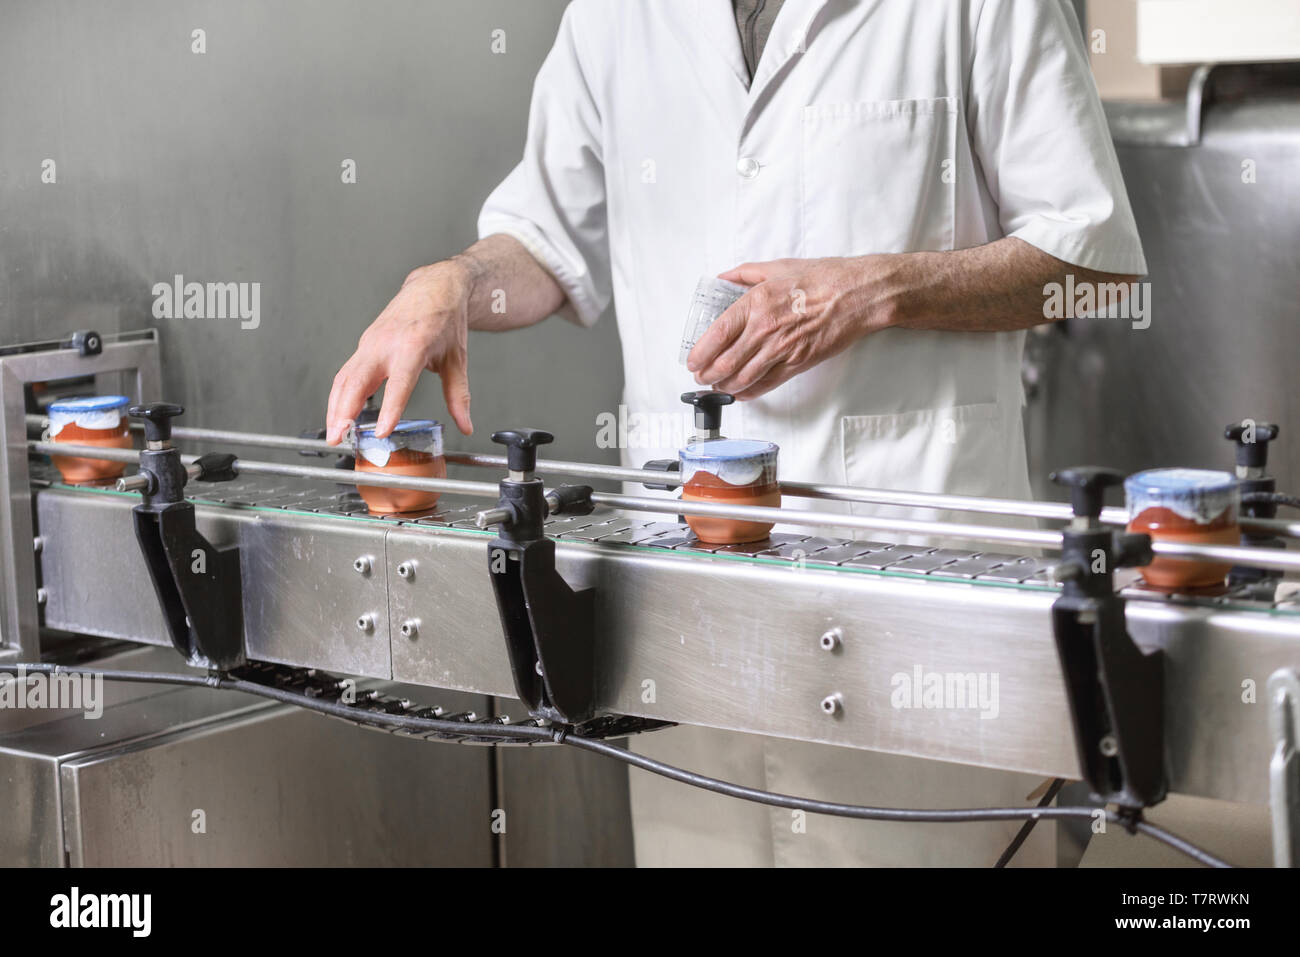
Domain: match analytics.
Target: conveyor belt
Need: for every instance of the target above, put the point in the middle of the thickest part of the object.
(606, 527)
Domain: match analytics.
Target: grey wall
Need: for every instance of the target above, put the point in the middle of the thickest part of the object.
(225, 166)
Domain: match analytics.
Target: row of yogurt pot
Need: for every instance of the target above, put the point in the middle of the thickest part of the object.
(1179, 505)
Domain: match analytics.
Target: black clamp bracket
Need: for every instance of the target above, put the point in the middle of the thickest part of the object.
(1258, 490)
(197, 583)
(549, 626)
(1115, 689)
(708, 407)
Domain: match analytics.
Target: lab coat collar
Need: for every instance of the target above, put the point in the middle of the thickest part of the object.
(717, 20)
(789, 38)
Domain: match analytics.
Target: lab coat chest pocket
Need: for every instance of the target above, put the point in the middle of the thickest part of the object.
(879, 177)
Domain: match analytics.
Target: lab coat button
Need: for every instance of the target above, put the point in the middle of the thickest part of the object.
(747, 167)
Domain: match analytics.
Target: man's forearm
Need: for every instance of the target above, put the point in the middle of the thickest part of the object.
(993, 288)
(508, 288)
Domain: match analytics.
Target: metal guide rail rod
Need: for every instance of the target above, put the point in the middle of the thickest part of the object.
(1255, 557)
(1052, 511)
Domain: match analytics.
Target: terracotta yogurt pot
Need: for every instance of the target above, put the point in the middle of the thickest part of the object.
(1190, 506)
(730, 472)
(90, 420)
(414, 448)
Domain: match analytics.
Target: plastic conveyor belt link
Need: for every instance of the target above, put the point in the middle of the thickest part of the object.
(370, 705)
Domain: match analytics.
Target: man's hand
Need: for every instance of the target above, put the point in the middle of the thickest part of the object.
(798, 313)
(495, 285)
(424, 327)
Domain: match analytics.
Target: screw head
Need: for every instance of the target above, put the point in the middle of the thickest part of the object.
(363, 564)
(42, 596)
(833, 704)
(1108, 746)
(366, 623)
(411, 628)
(406, 570)
(831, 640)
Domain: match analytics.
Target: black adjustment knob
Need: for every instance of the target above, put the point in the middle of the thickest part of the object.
(1252, 442)
(522, 445)
(708, 408)
(1087, 485)
(157, 419)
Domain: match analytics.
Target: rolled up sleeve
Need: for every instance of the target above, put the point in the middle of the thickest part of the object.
(553, 202)
(1041, 137)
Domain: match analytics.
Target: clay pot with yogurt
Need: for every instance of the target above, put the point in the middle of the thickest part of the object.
(730, 472)
(414, 448)
(90, 420)
(1190, 506)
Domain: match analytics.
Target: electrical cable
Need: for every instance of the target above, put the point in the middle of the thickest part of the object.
(1270, 498)
(1023, 834)
(563, 734)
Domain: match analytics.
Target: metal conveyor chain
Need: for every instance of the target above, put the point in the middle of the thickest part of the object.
(370, 704)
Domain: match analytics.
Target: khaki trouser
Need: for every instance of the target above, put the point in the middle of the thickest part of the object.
(677, 825)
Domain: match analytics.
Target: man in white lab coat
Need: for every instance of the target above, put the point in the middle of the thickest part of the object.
(897, 180)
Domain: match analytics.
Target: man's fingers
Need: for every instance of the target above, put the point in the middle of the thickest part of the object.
(725, 330)
(455, 389)
(748, 274)
(750, 374)
(401, 383)
(733, 361)
(778, 375)
(347, 398)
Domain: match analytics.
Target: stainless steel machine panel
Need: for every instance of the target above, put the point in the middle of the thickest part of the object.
(275, 786)
(733, 638)
(304, 598)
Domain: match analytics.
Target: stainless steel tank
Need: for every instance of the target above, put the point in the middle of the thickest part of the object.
(1215, 187)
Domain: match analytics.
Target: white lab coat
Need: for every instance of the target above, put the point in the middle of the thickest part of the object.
(878, 126)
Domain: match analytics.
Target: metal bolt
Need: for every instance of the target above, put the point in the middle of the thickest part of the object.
(38, 544)
(366, 623)
(138, 482)
(406, 570)
(411, 628)
(42, 596)
(363, 565)
(831, 640)
(833, 704)
(493, 516)
(1109, 746)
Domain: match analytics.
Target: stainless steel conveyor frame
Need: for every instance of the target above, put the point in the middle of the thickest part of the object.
(750, 638)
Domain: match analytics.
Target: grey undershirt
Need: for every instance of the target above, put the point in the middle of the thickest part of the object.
(754, 19)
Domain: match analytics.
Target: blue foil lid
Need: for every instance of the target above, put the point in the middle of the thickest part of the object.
(1201, 495)
(419, 435)
(90, 403)
(737, 462)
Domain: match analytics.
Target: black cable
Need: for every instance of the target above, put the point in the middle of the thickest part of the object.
(961, 815)
(1023, 834)
(1270, 498)
(563, 735)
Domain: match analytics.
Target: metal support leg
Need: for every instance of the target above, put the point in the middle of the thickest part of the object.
(1284, 768)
